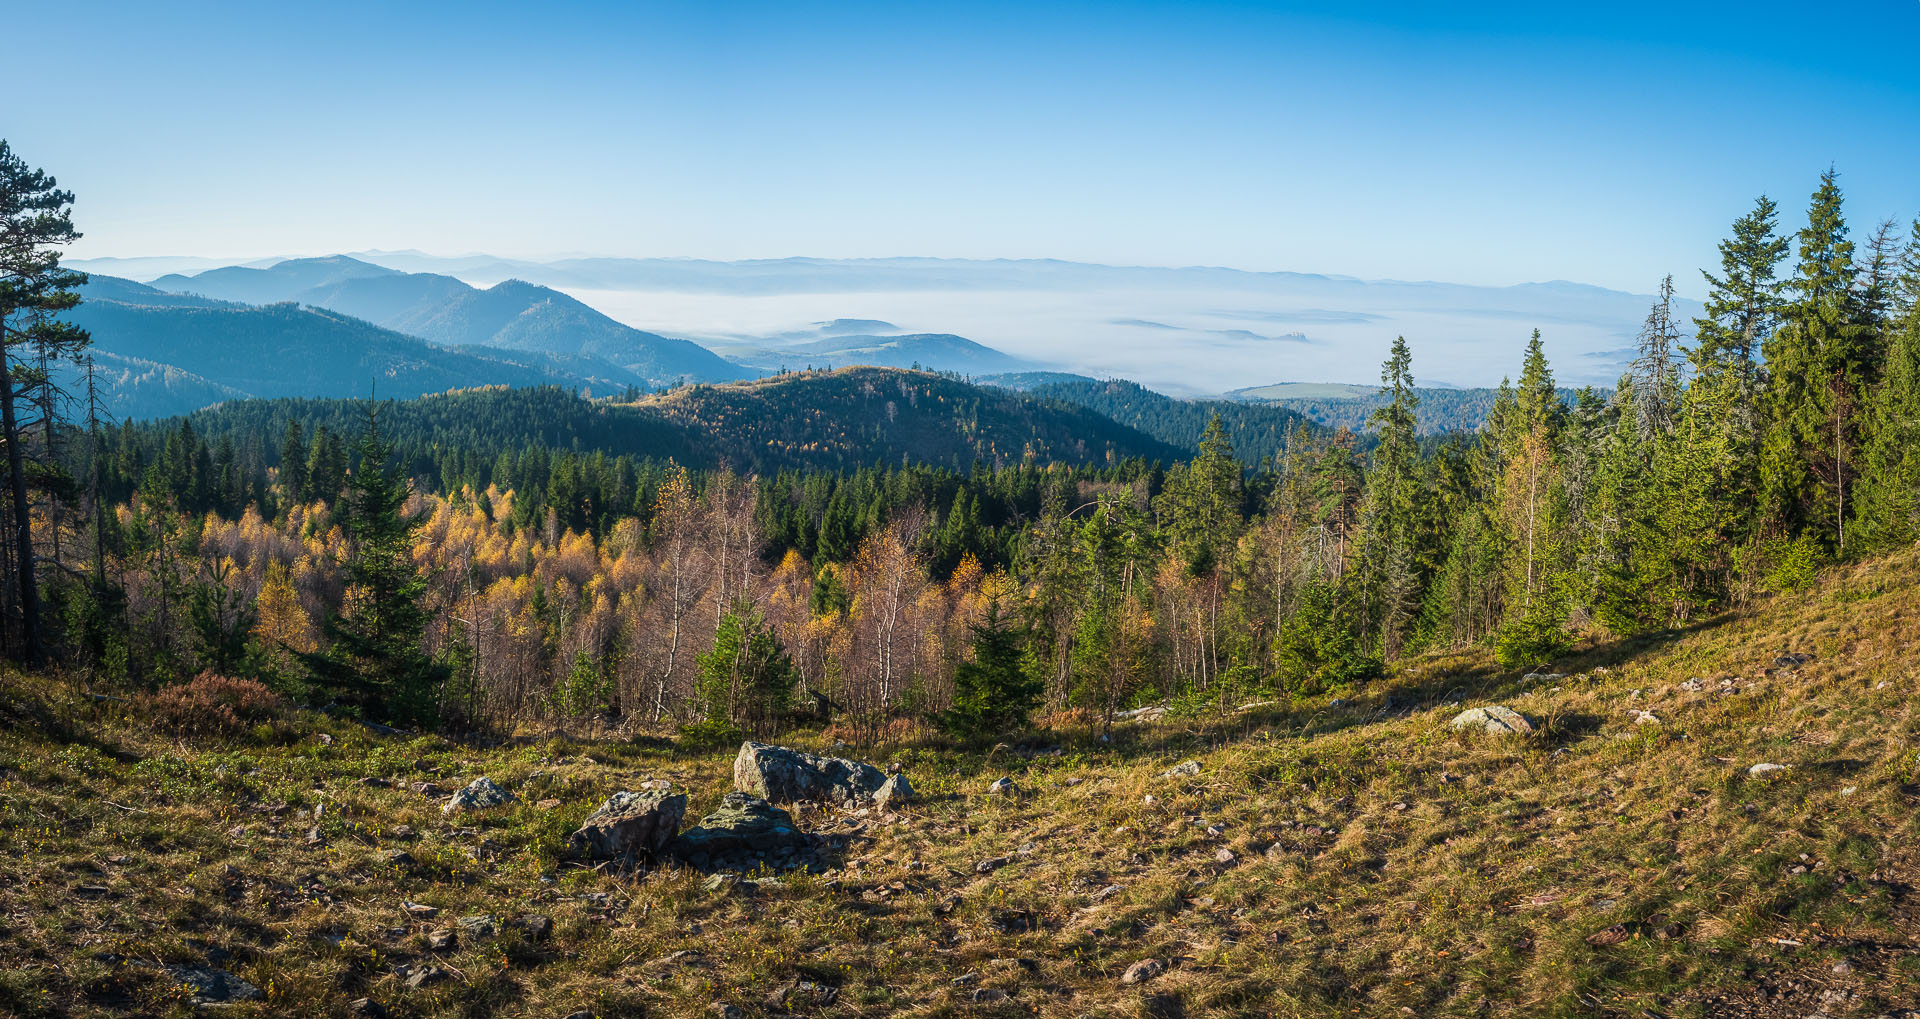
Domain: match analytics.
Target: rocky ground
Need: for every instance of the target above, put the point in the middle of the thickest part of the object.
(1599, 839)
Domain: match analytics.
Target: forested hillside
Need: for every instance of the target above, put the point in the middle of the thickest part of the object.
(1442, 411)
(1259, 433)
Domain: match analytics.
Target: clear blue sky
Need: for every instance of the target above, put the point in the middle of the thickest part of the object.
(1606, 143)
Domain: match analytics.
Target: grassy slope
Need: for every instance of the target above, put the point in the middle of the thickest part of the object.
(1416, 871)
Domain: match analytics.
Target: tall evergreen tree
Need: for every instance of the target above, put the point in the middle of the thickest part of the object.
(375, 658)
(1820, 364)
(36, 221)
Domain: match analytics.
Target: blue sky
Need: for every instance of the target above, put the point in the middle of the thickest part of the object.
(1607, 143)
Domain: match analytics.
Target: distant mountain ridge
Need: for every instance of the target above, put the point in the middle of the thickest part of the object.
(511, 315)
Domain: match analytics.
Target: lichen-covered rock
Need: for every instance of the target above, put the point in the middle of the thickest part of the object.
(630, 825)
(780, 775)
(1494, 718)
(478, 795)
(744, 831)
(1185, 769)
(208, 986)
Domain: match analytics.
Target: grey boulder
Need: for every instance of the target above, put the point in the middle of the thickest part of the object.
(478, 795)
(630, 825)
(780, 775)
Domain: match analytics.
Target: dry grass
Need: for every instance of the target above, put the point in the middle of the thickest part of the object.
(1413, 870)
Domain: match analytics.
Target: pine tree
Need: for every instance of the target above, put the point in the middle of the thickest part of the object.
(36, 221)
(745, 680)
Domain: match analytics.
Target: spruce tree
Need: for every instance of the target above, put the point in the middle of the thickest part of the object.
(1820, 364)
(374, 659)
(995, 693)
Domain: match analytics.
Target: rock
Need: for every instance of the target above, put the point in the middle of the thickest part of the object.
(1842, 968)
(991, 864)
(425, 975)
(722, 1010)
(477, 926)
(366, 1007)
(630, 825)
(1185, 769)
(1146, 714)
(780, 775)
(535, 926)
(419, 910)
(1791, 660)
(547, 804)
(1763, 769)
(1543, 677)
(988, 996)
(1002, 787)
(401, 831)
(744, 824)
(1494, 718)
(894, 793)
(397, 858)
(443, 940)
(1143, 971)
(479, 795)
(1223, 855)
(207, 986)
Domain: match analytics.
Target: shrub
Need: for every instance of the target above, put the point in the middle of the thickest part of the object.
(211, 705)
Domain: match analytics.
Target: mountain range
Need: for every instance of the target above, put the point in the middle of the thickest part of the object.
(510, 315)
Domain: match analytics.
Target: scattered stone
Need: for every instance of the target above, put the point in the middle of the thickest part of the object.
(1143, 971)
(366, 1007)
(547, 804)
(1149, 800)
(988, 996)
(207, 986)
(397, 858)
(1843, 967)
(965, 979)
(401, 831)
(420, 911)
(1223, 856)
(894, 793)
(443, 940)
(1002, 787)
(535, 926)
(777, 774)
(1106, 893)
(1791, 660)
(630, 825)
(480, 794)
(991, 864)
(425, 975)
(722, 1010)
(477, 926)
(1494, 718)
(1072, 780)
(1543, 677)
(1643, 717)
(1766, 768)
(1185, 769)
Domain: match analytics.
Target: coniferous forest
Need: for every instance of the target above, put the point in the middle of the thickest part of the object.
(486, 559)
